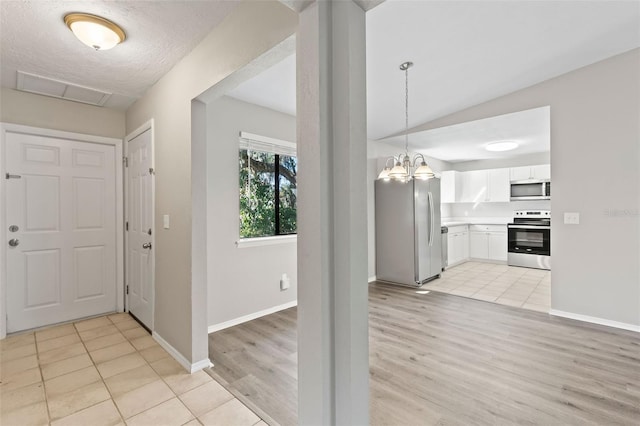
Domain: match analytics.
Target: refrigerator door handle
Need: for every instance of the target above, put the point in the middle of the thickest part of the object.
(431, 221)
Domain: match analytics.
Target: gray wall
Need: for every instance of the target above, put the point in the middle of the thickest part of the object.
(252, 29)
(58, 114)
(595, 166)
(244, 280)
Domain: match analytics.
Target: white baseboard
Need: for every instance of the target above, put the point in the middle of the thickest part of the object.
(372, 279)
(240, 320)
(595, 320)
(190, 367)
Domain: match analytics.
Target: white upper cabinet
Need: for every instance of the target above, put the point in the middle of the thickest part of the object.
(492, 185)
(479, 186)
(474, 186)
(449, 186)
(541, 172)
(498, 183)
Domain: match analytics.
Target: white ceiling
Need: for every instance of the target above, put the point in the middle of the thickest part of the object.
(467, 141)
(34, 39)
(465, 53)
(274, 88)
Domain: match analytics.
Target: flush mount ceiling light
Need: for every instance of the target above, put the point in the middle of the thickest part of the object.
(501, 146)
(94, 31)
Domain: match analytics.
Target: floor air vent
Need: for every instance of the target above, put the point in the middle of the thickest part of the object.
(59, 89)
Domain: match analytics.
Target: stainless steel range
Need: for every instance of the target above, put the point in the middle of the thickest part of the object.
(530, 239)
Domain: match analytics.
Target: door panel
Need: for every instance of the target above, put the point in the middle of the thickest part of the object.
(64, 265)
(140, 210)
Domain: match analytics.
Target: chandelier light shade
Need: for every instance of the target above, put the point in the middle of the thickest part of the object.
(95, 31)
(403, 166)
(423, 172)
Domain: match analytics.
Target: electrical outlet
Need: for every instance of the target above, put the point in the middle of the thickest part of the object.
(572, 218)
(285, 282)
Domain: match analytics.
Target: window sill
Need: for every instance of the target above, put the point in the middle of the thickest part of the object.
(266, 241)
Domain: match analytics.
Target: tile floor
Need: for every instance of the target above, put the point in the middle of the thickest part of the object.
(507, 285)
(106, 371)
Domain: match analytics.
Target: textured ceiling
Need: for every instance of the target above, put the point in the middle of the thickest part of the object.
(34, 38)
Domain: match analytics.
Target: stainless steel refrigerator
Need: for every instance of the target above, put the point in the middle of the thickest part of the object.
(408, 235)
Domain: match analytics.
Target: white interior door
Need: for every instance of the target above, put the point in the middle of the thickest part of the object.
(140, 217)
(61, 220)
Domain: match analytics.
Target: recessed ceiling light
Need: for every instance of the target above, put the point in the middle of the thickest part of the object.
(94, 31)
(502, 146)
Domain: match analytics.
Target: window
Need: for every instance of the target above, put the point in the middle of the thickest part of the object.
(268, 188)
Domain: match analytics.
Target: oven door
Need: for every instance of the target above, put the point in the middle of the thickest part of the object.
(529, 239)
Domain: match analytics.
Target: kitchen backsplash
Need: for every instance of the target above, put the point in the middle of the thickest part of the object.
(484, 210)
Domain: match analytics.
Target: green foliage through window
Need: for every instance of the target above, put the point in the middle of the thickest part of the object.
(267, 194)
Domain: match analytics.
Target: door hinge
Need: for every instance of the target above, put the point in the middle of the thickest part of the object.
(126, 226)
(152, 171)
(125, 161)
(127, 288)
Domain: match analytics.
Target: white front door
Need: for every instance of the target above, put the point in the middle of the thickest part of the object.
(140, 215)
(61, 220)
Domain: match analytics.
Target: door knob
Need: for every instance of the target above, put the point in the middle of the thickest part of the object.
(144, 246)
(14, 242)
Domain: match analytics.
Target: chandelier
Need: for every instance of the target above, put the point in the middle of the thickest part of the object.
(404, 168)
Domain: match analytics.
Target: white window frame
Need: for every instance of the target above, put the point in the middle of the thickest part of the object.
(251, 141)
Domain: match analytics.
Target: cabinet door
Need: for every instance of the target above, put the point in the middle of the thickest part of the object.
(479, 245)
(474, 186)
(464, 246)
(520, 173)
(498, 183)
(498, 245)
(542, 172)
(448, 185)
(452, 249)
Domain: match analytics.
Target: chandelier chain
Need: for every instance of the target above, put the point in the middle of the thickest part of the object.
(406, 110)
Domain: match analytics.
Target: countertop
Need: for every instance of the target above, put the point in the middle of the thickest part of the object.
(456, 221)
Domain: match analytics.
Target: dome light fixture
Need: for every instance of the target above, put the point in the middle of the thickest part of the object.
(501, 146)
(94, 31)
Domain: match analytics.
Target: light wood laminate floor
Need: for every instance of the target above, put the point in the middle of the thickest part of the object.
(439, 359)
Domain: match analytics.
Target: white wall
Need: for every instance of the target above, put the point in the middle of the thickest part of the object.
(494, 210)
(252, 29)
(244, 280)
(595, 114)
(59, 114)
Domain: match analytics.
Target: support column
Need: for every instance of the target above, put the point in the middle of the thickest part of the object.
(333, 348)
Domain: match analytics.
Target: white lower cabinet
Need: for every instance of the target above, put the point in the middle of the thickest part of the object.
(458, 244)
(488, 242)
(479, 245)
(498, 246)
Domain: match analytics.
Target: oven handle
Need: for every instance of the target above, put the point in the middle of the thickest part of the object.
(515, 226)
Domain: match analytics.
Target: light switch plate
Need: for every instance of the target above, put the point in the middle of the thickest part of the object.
(572, 218)
(165, 220)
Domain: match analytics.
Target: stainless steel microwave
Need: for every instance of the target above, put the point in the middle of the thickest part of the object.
(530, 190)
